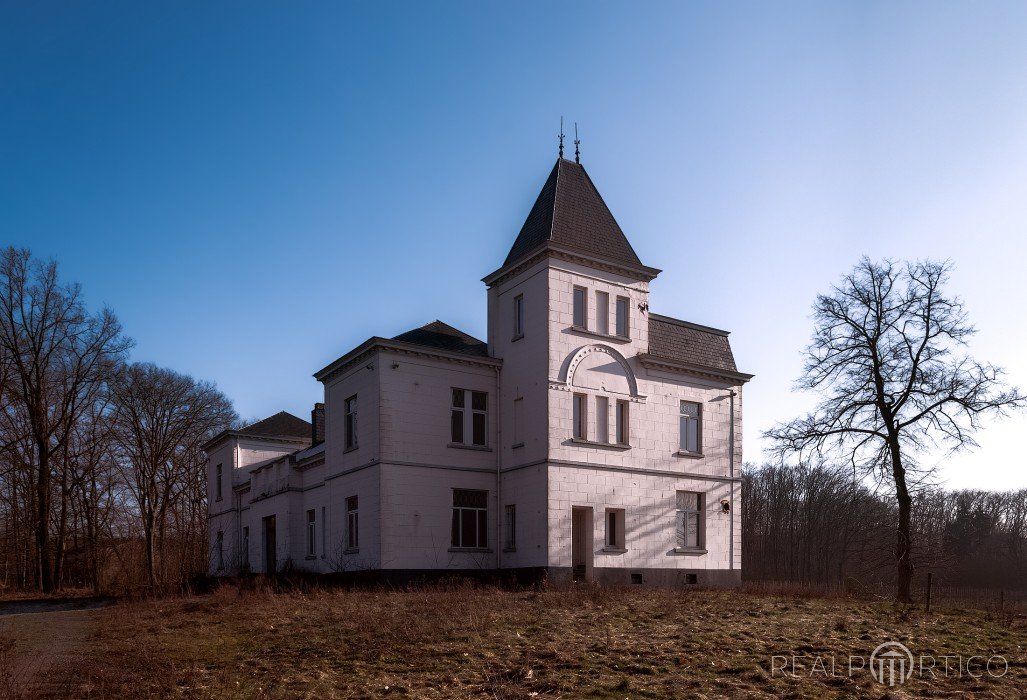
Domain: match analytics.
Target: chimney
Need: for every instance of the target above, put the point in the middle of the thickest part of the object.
(317, 424)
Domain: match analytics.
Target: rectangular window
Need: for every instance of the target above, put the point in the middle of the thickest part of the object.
(246, 547)
(602, 419)
(218, 478)
(518, 422)
(691, 427)
(221, 550)
(580, 307)
(615, 528)
(510, 527)
(470, 518)
(311, 532)
(690, 520)
(580, 417)
(479, 418)
(602, 313)
(518, 316)
(473, 423)
(623, 429)
(351, 422)
(352, 523)
(456, 418)
(324, 533)
(622, 317)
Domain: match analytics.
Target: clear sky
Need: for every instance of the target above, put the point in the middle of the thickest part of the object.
(255, 188)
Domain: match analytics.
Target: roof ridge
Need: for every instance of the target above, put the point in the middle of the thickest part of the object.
(556, 198)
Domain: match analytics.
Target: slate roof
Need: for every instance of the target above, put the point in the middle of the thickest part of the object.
(443, 336)
(282, 424)
(570, 212)
(681, 341)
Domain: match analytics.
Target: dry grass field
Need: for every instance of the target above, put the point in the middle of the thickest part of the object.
(582, 642)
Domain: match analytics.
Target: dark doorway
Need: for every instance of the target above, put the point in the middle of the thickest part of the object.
(270, 547)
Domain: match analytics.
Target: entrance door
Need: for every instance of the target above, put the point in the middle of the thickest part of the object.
(270, 547)
(582, 544)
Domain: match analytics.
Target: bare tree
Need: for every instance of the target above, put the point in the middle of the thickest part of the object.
(886, 358)
(58, 356)
(161, 420)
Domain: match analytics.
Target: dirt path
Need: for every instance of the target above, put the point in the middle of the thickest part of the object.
(40, 643)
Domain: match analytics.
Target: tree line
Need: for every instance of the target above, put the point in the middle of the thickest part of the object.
(101, 467)
(817, 524)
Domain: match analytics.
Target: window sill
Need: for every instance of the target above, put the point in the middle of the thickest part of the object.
(351, 550)
(601, 445)
(578, 330)
(351, 448)
(516, 338)
(310, 557)
(689, 551)
(516, 446)
(509, 549)
(614, 550)
(689, 455)
(470, 550)
(461, 446)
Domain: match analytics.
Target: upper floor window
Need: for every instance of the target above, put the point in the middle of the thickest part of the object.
(602, 313)
(622, 317)
(518, 316)
(602, 419)
(580, 307)
(518, 422)
(470, 518)
(691, 427)
(623, 430)
(690, 520)
(469, 418)
(218, 480)
(580, 417)
(351, 422)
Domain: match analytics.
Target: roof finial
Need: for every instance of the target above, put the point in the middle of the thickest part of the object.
(561, 137)
(577, 142)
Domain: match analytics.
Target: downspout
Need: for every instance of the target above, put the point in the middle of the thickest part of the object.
(731, 473)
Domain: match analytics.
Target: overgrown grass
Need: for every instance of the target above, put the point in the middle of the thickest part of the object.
(580, 642)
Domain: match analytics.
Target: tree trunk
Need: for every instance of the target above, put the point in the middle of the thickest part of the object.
(45, 573)
(903, 543)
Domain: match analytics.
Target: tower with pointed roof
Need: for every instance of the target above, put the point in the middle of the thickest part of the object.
(587, 438)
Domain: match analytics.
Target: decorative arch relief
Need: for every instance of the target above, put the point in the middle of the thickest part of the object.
(599, 368)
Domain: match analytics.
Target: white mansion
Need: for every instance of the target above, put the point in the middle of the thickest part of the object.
(587, 438)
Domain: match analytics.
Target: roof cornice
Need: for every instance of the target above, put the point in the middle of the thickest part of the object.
(663, 363)
(224, 435)
(376, 343)
(563, 252)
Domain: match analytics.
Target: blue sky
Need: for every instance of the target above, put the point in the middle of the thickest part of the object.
(257, 187)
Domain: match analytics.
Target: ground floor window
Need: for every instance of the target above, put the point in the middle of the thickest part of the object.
(352, 523)
(690, 520)
(221, 549)
(246, 547)
(510, 527)
(615, 528)
(470, 518)
(311, 532)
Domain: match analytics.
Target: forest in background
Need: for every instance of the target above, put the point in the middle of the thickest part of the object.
(817, 525)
